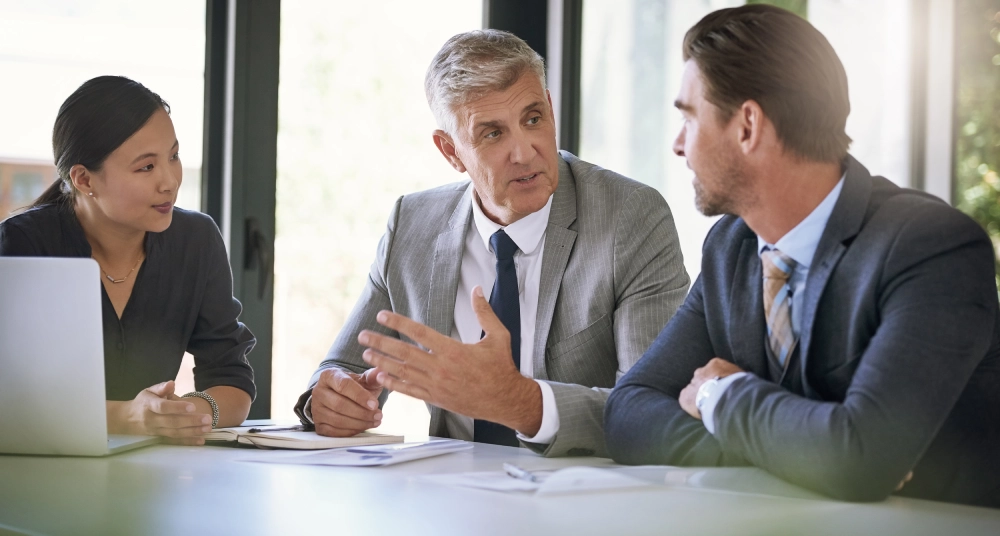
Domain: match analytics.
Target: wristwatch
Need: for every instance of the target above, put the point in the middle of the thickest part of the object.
(211, 402)
(705, 391)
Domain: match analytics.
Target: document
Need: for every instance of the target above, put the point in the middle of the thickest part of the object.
(375, 455)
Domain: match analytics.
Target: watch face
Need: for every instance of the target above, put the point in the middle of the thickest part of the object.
(704, 392)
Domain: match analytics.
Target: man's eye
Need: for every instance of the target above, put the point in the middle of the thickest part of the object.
(535, 120)
(493, 134)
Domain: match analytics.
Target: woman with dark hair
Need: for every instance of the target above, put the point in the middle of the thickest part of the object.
(164, 270)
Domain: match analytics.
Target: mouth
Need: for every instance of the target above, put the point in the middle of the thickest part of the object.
(164, 208)
(526, 179)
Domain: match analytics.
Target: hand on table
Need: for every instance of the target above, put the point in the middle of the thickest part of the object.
(158, 411)
(476, 380)
(345, 404)
(716, 368)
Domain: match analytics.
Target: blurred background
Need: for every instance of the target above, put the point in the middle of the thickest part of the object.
(353, 131)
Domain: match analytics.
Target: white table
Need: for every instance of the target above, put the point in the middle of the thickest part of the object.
(205, 490)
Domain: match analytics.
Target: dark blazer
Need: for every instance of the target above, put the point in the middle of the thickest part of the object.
(899, 358)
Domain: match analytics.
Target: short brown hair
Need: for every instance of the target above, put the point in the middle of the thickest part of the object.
(772, 56)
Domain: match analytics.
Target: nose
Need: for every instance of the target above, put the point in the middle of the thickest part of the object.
(679, 143)
(172, 178)
(522, 150)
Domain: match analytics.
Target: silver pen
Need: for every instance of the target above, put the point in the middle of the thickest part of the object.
(514, 471)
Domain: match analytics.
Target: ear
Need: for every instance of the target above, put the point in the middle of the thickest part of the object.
(444, 143)
(750, 126)
(81, 177)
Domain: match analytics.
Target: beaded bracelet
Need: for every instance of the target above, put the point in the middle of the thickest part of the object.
(211, 401)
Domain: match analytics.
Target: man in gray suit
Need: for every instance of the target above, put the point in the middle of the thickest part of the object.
(513, 302)
(843, 333)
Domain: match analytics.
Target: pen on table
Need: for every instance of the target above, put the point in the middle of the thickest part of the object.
(514, 471)
(296, 428)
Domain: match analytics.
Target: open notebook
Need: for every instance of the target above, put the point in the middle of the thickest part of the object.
(295, 437)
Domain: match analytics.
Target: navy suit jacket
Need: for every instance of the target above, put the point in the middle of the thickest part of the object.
(899, 358)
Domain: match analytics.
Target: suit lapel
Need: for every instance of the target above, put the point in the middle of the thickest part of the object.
(445, 266)
(747, 329)
(845, 222)
(559, 240)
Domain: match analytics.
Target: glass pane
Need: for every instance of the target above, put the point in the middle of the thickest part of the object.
(48, 48)
(977, 114)
(630, 74)
(354, 134)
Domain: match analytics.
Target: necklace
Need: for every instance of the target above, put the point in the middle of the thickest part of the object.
(122, 280)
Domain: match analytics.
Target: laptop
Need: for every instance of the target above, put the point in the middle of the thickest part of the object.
(52, 360)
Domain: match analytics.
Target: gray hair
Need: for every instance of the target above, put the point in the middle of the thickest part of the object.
(475, 63)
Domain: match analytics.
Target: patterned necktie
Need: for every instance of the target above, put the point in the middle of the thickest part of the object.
(778, 268)
(506, 304)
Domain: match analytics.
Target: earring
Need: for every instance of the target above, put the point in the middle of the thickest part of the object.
(91, 194)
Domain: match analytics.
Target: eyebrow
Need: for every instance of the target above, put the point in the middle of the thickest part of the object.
(495, 124)
(147, 155)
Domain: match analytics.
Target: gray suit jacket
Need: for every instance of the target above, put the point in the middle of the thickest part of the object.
(897, 367)
(612, 276)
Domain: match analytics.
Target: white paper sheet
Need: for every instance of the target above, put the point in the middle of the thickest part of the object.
(561, 482)
(370, 455)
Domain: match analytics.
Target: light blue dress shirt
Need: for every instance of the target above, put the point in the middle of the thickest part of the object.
(800, 244)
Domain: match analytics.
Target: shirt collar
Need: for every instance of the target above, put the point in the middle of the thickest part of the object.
(526, 232)
(800, 243)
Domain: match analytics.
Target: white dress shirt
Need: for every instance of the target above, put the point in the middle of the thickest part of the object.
(800, 244)
(479, 268)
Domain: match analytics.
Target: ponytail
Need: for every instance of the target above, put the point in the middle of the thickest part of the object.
(54, 194)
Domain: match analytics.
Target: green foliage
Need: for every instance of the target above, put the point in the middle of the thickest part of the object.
(799, 7)
(977, 115)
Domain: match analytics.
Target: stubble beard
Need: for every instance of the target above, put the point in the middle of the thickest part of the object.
(732, 194)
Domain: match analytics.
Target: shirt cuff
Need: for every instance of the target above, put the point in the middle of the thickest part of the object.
(550, 418)
(708, 408)
(307, 410)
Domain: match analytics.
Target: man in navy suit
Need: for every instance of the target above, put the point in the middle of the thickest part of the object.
(844, 332)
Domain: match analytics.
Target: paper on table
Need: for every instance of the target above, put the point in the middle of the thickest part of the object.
(563, 481)
(370, 456)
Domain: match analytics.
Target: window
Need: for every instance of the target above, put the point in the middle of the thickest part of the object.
(47, 49)
(631, 70)
(977, 115)
(354, 134)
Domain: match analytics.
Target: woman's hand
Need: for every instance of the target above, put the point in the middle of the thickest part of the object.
(158, 411)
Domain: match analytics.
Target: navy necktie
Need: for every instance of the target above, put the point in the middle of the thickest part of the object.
(507, 306)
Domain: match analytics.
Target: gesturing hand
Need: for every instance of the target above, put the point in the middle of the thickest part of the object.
(476, 380)
(345, 404)
(158, 411)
